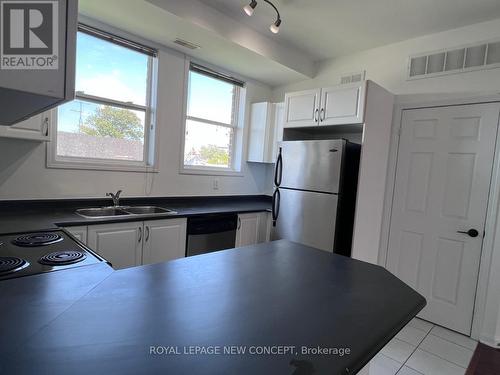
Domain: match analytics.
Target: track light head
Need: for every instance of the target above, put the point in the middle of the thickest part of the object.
(275, 27)
(250, 7)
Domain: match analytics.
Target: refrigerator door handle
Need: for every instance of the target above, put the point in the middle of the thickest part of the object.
(278, 172)
(276, 206)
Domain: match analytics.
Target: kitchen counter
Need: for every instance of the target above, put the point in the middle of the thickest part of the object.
(31, 303)
(258, 297)
(24, 216)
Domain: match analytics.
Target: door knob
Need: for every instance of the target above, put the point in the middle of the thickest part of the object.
(471, 232)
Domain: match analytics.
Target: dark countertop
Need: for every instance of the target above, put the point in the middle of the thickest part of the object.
(31, 303)
(277, 293)
(24, 216)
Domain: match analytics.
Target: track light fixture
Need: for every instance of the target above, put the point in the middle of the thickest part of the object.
(250, 7)
(275, 27)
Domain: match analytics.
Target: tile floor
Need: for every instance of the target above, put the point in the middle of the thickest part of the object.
(422, 348)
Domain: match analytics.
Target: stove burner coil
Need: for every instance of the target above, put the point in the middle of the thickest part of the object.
(61, 258)
(12, 264)
(37, 239)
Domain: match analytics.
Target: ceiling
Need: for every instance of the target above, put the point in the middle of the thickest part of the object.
(240, 49)
(331, 28)
(312, 30)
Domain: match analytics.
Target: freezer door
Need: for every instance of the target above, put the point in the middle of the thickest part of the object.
(307, 218)
(312, 165)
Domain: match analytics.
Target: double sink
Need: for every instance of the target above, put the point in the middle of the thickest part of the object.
(120, 211)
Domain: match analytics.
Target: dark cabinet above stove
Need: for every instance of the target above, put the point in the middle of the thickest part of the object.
(37, 69)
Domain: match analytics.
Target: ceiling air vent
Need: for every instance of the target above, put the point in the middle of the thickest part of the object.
(186, 44)
(352, 77)
(479, 56)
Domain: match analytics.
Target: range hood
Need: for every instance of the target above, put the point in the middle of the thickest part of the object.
(37, 60)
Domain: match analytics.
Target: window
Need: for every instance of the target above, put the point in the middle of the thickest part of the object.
(212, 133)
(108, 125)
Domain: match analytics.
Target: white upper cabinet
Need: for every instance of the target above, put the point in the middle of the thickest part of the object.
(342, 105)
(164, 240)
(302, 108)
(266, 130)
(35, 128)
(337, 105)
(38, 69)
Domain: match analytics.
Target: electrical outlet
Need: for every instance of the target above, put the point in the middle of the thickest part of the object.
(215, 184)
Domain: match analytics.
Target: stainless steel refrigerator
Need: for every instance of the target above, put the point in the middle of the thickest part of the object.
(315, 193)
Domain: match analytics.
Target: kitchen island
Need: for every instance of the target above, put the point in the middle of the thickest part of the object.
(273, 308)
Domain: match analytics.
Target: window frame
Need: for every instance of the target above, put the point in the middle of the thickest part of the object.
(237, 122)
(150, 149)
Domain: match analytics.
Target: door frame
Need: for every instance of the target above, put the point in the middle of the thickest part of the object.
(417, 101)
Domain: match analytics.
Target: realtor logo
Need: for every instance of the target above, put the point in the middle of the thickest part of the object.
(29, 34)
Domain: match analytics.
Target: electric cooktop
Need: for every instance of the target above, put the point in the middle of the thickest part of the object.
(33, 253)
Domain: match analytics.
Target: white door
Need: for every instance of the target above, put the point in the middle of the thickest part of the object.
(302, 108)
(79, 232)
(442, 182)
(164, 240)
(120, 244)
(248, 229)
(343, 104)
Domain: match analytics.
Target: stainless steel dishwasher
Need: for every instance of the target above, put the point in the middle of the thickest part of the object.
(206, 234)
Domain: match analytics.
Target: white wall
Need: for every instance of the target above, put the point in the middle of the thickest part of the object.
(388, 65)
(23, 172)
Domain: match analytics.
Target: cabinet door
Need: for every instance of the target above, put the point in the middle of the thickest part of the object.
(302, 108)
(342, 104)
(279, 111)
(164, 240)
(35, 128)
(79, 232)
(266, 227)
(120, 244)
(251, 229)
(260, 132)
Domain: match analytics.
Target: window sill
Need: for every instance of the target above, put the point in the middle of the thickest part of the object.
(210, 172)
(58, 164)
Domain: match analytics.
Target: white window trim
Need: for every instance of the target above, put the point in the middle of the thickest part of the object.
(150, 162)
(238, 121)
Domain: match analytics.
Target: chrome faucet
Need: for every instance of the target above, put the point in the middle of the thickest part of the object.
(115, 197)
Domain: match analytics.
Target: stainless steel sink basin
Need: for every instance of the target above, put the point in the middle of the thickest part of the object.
(148, 210)
(102, 212)
(109, 212)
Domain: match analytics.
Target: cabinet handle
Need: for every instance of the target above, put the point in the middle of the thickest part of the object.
(140, 234)
(316, 111)
(239, 223)
(147, 233)
(45, 131)
(322, 115)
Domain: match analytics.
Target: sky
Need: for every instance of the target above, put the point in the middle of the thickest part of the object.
(107, 70)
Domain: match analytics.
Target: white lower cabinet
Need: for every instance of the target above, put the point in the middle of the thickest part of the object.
(120, 243)
(164, 240)
(135, 243)
(79, 232)
(252, 229)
